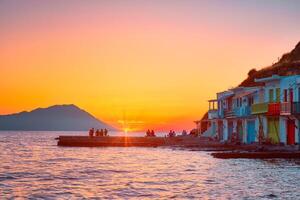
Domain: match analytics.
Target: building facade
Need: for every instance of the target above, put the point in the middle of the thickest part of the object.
(268, 113)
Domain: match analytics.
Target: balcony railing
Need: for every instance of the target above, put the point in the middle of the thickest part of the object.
(296, 108)
(285, 108)
(259, 108)
(274, 109)
(243, 111)
(229, 113)
(212, 114)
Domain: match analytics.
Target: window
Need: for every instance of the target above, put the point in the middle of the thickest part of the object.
(250, 101)
(285, 95)
(277, 94)
(291, 91)
(261, 96)
(238, 102)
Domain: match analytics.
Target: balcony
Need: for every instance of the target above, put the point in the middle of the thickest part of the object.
(243, 111)
(212, 114)
(274, 109)
(296, 108)
(259, 108)
(285, 108)
(212, 109)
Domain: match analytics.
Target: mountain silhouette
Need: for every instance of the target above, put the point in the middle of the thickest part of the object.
(54, 118)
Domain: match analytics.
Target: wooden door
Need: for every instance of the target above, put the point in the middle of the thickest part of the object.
(290, 132)
(273, 130)
(240, 131)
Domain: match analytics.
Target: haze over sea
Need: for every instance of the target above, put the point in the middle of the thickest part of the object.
(32, 166)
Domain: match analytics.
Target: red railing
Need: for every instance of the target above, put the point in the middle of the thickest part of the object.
(274, 109)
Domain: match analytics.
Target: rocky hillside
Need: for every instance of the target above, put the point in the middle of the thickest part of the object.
(288, 64)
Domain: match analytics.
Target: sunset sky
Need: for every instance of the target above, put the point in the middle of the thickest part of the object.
(153, 64)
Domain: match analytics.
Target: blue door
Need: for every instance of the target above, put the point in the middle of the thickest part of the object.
(230, 130)
(250, 132)
(220, 129)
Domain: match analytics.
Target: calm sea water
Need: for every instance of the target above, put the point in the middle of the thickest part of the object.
(32, 166)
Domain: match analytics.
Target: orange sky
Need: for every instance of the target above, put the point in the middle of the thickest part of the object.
(152, 65)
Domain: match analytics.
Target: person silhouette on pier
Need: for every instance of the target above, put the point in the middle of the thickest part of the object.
(148, 133)
(101, 132)
(91, 132)
(97, 133)
(152, 134)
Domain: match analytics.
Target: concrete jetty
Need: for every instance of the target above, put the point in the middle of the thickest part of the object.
(221, 150)
(190, 142)
(262, 152)
(123, 141)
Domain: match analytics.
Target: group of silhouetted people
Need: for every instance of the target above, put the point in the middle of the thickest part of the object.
(101, 132)
(150, 133)
(171, 133)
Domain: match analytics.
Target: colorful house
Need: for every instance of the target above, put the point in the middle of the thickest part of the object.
(244, 122)
(289, 110)
(282, 97)
(230, 115)
(272, 107)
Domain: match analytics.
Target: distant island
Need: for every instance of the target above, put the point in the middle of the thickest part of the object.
(54, 118)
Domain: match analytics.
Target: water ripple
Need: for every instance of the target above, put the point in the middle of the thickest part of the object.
(33, 167)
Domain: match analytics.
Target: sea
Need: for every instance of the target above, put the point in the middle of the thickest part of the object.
(32, 166)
